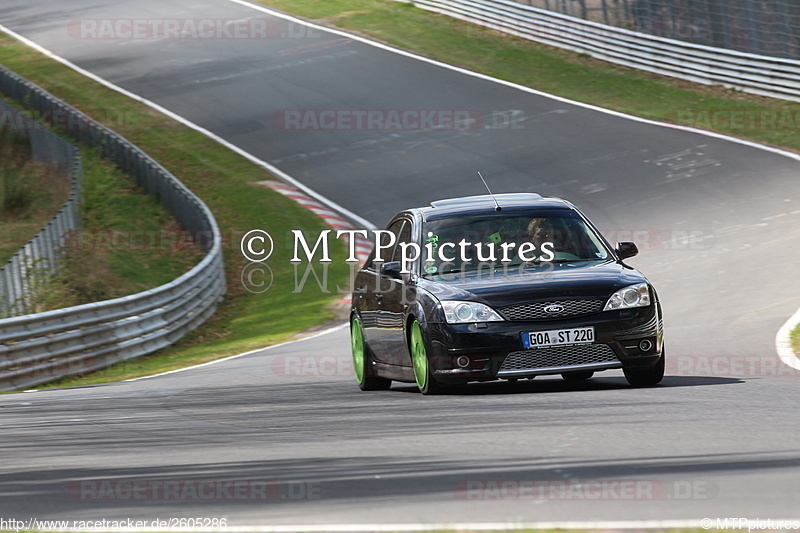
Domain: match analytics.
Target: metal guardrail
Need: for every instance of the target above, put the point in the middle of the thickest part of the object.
(768, 76)
(39, 256)
(753, 26)
(38, 348)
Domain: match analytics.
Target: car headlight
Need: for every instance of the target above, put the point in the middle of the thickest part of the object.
(464, 312)
(632, 296)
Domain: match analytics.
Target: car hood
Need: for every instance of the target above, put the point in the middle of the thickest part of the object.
(546, 281)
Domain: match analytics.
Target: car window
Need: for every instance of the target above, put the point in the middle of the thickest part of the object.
(374, 262)
(472, 241)
(403, 236)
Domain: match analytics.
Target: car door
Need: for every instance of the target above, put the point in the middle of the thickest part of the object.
(369, 291)
(394, 303)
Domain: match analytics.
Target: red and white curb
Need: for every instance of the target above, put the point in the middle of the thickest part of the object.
(363, 246)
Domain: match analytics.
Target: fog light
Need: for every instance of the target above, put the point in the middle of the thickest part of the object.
(462, 361)
(645, 345)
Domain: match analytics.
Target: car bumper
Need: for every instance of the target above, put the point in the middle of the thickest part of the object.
(485, 351)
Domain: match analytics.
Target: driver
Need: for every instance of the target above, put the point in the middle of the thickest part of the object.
(540, 231)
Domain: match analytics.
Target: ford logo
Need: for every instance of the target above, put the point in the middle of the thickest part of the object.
(554, 309)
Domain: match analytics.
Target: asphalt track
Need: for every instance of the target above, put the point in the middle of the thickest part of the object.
(718, 221)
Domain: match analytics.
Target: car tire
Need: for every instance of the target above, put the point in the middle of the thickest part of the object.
(646, 377)
(362, 360)
(419, 359)
(577, 376)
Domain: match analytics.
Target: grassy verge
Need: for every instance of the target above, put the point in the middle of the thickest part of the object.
(795, 337)
(559, 72)
(225, 181)
(30, 194)
(229, 185)
(100, 261)
(113, 254)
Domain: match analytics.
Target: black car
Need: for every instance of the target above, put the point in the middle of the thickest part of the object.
(508, 286)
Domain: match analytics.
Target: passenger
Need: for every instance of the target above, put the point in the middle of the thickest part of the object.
(540, 231)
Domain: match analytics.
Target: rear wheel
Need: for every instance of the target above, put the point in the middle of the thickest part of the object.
(362, 360)
(646, 377)
(419, 358)
(577, 376)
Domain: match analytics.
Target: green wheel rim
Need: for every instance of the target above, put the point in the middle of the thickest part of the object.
(357, 347)
(419, 357)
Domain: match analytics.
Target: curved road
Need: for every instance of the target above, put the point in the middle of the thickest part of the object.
(719, 223)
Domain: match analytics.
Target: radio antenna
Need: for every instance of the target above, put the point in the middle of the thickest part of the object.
(496, 205)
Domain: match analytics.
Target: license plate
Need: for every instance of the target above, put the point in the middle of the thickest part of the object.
(558, 337)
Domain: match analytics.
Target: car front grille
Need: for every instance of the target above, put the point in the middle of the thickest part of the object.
(535, 311)
(560, 357)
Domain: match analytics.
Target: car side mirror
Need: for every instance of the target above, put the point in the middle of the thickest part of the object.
(391, 269)
(626, 250)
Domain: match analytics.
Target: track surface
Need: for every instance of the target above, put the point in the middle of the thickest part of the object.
(718, 439)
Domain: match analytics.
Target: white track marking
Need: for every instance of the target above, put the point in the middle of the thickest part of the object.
(783, 342)
(513, 85)
(231, 357)
(782, 337)
(186, 122)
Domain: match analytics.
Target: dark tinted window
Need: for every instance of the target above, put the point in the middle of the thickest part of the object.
(387, 254)
(468, 242)
(404, 236)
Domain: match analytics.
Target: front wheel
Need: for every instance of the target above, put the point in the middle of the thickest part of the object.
(362, 360)
(419, 358)
(646, 377)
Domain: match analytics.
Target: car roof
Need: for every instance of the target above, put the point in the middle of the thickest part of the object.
(485, 203)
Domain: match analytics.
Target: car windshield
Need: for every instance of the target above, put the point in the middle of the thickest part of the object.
(463, 243)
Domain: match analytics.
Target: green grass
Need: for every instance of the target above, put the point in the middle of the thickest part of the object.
(228, 184)
(100, 261)
(224, 180)
(559, 72)
(30, 194)
(117, 252)
(795, 338)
